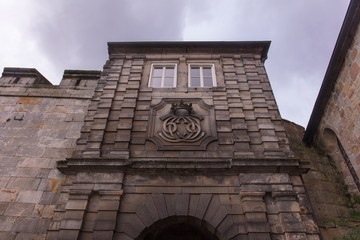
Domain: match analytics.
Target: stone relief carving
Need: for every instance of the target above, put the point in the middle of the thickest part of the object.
(182, 124)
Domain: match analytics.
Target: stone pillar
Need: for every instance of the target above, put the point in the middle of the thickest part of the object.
(75, 209)
(105, 223)
(284, 216)
(255, 215)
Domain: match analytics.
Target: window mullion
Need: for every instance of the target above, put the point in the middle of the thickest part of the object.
(201, 77)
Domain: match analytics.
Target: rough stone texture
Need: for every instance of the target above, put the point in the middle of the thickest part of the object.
(39, 125)
(327, 192)
(341, 116)
(91, 171)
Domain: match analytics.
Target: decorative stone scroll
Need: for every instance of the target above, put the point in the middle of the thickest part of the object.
(182, 124)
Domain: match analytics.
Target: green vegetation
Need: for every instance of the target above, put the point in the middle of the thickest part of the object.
(355, 215)
(353, 235)
(356, 199)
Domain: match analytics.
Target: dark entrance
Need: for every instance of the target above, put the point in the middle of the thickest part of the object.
(179, 228)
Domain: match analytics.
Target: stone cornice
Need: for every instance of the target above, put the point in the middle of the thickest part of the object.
(229, 47)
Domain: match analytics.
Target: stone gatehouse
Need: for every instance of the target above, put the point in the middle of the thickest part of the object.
(172, 140)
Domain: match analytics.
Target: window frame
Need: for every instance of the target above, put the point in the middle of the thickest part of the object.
(163, 65)
(201, 66)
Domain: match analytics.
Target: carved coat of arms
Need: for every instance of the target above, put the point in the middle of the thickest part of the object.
(182, 124)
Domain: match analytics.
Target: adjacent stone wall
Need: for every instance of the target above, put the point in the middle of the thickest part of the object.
(39, 125)
(342, 113)
(335, 210)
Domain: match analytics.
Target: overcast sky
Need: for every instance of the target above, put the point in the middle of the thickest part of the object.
(52, 36)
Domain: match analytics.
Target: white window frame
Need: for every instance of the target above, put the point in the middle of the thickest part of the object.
(163, 65)
(201, 65)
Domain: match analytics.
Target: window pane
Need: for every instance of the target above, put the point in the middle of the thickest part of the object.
(208, 82)
(169, 72)
(207, 72)
(195, 72)
(156, 82)
(168, 82)
(195, 82)
(157, 71)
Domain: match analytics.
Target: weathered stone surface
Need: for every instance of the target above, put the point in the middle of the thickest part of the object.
(219, 169)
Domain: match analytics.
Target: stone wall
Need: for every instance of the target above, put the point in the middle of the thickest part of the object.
(334, 209)
(39, 125)
(341, 117)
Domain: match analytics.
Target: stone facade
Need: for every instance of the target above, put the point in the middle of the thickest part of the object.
(141, 162)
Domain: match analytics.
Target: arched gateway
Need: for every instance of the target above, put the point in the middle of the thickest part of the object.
(179, 228)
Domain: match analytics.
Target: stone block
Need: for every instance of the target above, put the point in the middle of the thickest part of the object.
(203, 205)
(76, 204)
(23, 183)
(31, 225)
(68, 234)
(106, 220)
(295, 236)
(254, 207)
(181, 204)
(19, 209)
(259, 236)
(8, 195)
(258, 227)
(7, 235)
(160, 203)
(130, 224)
(99, 177)
(29, 196)
(288, 206)
(26, 236)
(269, 178)
(219, 216)
(144, 215)
(108, 205)
(100, 235)
(255, 217)
(71, 224)
(6, 223)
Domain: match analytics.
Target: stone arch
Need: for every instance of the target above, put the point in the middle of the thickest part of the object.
(330, 142)
(218, 214)
(178, 228)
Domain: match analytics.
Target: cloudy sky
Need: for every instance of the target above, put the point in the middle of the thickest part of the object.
(72, 34)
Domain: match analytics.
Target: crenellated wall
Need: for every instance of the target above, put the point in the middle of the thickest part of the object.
(39, 125)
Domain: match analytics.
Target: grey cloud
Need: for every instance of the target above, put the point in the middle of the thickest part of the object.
(71, 34)
(74, 34)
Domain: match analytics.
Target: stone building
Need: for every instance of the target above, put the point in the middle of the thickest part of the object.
(172, 140)
(334, 123)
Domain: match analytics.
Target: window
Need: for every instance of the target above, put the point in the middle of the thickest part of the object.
(202, 75)
(163, 75)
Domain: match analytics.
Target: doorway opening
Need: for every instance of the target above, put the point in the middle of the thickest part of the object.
(179, 228)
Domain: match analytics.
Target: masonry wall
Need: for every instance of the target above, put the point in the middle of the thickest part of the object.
(39, 125)
(240, 182)
(342, 114)
(121, 180)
